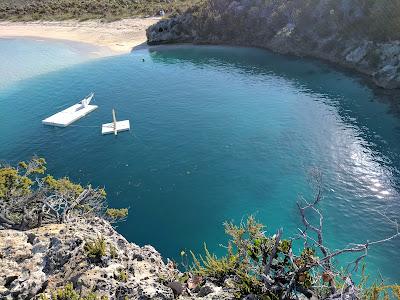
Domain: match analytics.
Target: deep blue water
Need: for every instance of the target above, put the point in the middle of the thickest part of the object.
(217, 133)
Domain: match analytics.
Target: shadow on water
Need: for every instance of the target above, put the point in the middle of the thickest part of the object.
(357, 100)
(301, 71)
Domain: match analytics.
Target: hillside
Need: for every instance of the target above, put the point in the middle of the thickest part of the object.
(52, 262)
(361, 34)
(28, 10)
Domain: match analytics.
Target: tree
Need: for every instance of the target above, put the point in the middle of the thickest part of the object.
(268, 267)
(30, 198)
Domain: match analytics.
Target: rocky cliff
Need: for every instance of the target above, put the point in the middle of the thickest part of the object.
(362, 35)
(42, 260)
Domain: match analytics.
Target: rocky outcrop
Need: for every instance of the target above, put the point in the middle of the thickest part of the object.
(347, 33)
(44, 259)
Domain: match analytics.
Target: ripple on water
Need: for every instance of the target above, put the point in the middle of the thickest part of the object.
(218, 133)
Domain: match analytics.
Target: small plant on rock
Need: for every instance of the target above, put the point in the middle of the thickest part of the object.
(116, 214)
(97, 249)
(122, 276)
(68, 293)
(113, 251)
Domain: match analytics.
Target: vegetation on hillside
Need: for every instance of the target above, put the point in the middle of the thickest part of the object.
(379, 19)
(269, 268)
(230, 20)
(29, 10)
(68, 293)
(30, 198)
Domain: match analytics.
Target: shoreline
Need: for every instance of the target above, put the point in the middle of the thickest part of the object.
(103, 39)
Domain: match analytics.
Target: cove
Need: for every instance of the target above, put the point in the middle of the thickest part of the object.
(217, 134)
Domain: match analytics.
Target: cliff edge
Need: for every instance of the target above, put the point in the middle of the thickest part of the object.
(361, 35)
(36, 263)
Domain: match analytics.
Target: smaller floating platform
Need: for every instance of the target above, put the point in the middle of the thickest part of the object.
(71, 114)
(117, 127)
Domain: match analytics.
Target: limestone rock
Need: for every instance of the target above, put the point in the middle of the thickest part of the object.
(43, 259)
(324, 30)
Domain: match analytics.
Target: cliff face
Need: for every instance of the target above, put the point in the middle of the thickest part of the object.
(44, 259)
(361, 34)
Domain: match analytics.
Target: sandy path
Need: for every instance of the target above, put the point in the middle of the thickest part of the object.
(111, 38)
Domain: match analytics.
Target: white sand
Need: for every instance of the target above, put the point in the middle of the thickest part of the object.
(110, 38)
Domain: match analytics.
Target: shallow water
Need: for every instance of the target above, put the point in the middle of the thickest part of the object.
(23, 58)
(218, 133)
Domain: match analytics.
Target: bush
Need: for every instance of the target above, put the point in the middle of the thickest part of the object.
(31, 198)
(249, 252)
(122, 276)
(97, 249)
(116, 213)
(109, 10)
(268, 267)
(113, 251)
(68, 293)
(381, 291)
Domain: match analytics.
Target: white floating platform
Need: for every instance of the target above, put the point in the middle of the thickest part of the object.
(69, 115)
(120, 126)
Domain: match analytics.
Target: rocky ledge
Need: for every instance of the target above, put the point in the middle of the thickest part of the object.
(351, 34)
(42, 260)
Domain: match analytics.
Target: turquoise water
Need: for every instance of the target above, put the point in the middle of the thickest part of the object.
(218, 133)
(27, 58)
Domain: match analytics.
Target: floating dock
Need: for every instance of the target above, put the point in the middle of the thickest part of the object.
(71, 114)
(115, 126)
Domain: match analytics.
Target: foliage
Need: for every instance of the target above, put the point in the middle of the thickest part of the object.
(116, 213)
(68, 293)
(262, 20)
(377, 290)
(15, 182)
(212, 266)
(30, 198)
(268, 267)
(113, 251)
(97, 249)
(63, 186)
(381, 291)
(249, 254)
(108, 10)
(122, 276)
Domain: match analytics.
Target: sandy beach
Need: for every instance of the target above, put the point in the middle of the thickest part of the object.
(110, 38)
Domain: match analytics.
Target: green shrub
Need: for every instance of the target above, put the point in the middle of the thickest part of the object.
(108, 10)
(65, 200)
(96, 249)
(381, 291)
(68, 293)
(116, 213)
(248, 251)
(212, 266)
(122, 276)
(113, 251)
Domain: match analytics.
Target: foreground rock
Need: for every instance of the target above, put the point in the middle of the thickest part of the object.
(348, 33)
(47, 258)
